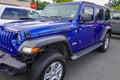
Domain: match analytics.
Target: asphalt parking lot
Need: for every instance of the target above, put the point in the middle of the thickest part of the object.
(93, 66)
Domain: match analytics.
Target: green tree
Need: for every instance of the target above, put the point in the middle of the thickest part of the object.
(116, 4)
(57, 1)
(41, 5)
(33, 0)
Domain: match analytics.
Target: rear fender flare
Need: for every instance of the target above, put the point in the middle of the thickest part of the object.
(106, 29)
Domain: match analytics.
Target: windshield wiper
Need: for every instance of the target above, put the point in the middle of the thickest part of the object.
(26, 19)
(58, 17)
(43, 16)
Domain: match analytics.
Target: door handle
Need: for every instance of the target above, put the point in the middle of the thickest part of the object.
(79, 29)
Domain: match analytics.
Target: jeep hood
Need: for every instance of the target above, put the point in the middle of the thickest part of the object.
(37, 28)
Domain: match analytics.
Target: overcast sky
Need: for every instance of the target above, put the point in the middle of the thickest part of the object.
(100, 2)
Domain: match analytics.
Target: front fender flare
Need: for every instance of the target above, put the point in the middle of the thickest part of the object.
(42, 41)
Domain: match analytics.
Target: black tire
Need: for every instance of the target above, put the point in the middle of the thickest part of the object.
(40, 66)
(105, 46)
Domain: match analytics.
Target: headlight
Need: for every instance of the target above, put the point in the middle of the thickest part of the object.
(19, 38)
(30, 50)
(26, 49)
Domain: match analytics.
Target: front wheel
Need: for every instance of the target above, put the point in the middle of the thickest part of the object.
(50, 66)
(106, 43)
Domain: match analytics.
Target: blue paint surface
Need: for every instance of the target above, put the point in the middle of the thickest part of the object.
(79, 36)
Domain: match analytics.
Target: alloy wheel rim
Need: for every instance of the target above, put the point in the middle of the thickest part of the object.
(106, 43)
(54, 71)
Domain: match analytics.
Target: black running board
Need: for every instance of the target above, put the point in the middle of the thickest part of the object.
(85, 51)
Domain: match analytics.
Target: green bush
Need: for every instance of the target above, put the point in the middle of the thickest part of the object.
(41, 5)
(116, 7)
(57, 1)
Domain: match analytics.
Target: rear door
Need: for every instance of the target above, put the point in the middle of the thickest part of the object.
(99, 22)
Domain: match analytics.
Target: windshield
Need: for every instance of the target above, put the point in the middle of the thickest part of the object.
(61, 10)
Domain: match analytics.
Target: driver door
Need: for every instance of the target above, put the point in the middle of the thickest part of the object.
(86, 27)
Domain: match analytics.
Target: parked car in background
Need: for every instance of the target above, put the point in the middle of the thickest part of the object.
(115, 21)
(10, 13)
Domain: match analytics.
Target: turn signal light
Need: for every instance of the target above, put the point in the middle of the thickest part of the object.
(35, 50)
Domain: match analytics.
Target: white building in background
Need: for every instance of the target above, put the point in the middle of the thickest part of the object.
(50, 1)
(23, 3)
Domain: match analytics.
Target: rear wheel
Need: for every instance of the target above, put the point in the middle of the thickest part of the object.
(50, 66)
(106, 43)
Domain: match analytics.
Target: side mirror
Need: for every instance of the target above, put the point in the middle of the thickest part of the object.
(85, 18)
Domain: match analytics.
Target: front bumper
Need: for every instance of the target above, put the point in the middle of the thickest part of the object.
(10, 65)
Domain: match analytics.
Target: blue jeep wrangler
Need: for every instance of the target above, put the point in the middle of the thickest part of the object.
(64, 31)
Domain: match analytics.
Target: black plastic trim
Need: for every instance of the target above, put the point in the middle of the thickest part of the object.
(10, 65)
(43, 41)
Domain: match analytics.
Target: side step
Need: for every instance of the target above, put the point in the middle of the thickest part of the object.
(85, 51)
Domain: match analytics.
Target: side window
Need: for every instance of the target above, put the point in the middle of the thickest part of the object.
(87, 14)
(12, 14)
(107, 14)
(25, 14)
(33, 14)
(99, 13)
(115, 15)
